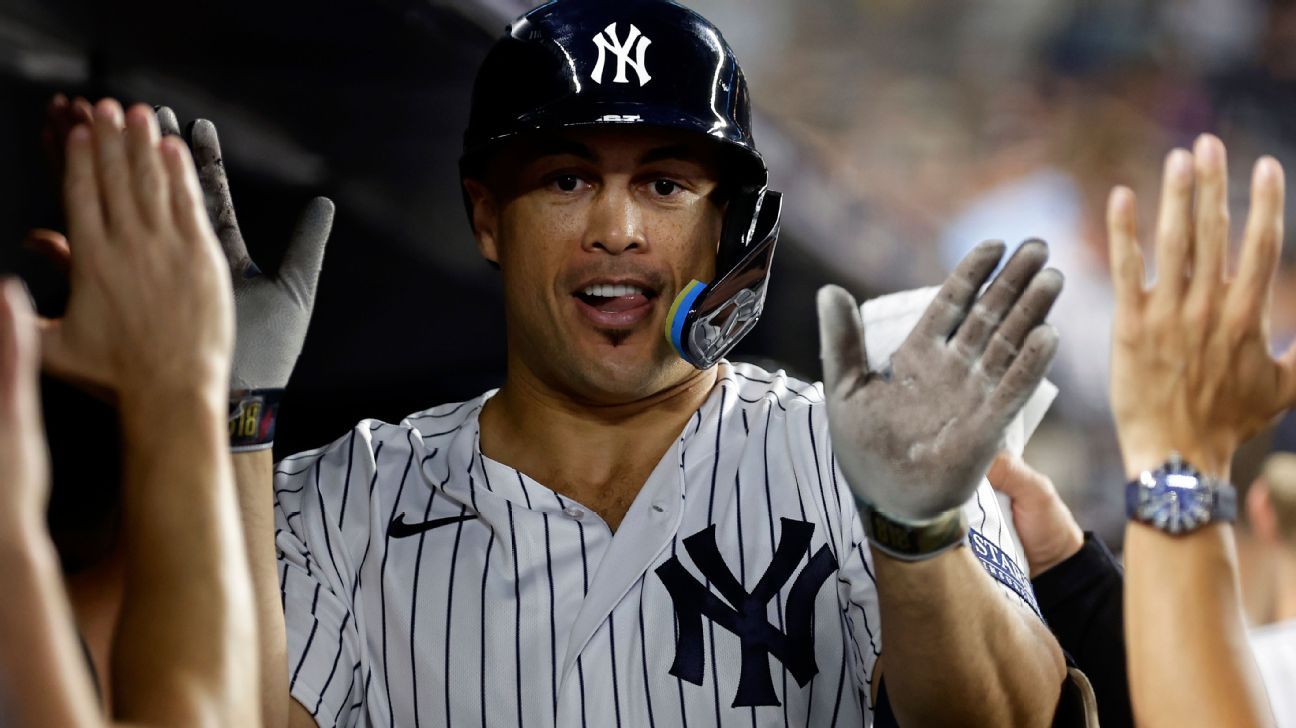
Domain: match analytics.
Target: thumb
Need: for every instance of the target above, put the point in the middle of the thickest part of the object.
(841, 339)
(1010, 475)
(56, 357)
(1287, 377)
(59, 358)
(52, 247)
(305, 254)
(17, 349)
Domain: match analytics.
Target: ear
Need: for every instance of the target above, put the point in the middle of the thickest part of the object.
(485, 218)
(1261, 513)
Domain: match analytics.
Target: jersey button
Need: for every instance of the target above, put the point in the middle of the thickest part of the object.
(573, 512)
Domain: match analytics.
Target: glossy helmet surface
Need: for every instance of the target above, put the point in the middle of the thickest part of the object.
(578, 63)
(558, 66)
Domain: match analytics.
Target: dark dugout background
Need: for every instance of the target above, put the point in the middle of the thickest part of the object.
(362, 101)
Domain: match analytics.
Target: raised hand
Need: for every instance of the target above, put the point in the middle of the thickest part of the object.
(273, 312)
(150, 304)
(915, 440)
(61, 116)
(24, 460)
(1192, 369)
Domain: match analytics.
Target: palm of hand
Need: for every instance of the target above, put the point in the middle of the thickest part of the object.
(921, 433)
(914, 441)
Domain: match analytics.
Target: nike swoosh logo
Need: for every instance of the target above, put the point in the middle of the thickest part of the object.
(398, 528)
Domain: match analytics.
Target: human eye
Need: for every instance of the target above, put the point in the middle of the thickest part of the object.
(566, 182)
(665, 187)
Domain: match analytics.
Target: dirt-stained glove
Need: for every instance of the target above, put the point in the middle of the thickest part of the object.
(915, 440)
(272, 312)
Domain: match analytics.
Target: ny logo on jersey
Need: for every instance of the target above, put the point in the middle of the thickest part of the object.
(634, 41)
(745, 613)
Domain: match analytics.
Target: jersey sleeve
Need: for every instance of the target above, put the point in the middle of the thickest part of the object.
(320, 517)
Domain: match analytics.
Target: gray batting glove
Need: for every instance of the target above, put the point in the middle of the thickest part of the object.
(915, 440)
(272, 313)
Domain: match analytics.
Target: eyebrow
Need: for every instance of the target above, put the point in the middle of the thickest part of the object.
(680, 152)
(560, 146)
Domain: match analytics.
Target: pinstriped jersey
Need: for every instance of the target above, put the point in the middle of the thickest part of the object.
(426, 585)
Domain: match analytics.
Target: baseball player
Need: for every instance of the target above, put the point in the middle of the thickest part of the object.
(632, 530)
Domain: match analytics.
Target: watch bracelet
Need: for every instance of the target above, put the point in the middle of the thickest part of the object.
(1223, 494)
(910, 540)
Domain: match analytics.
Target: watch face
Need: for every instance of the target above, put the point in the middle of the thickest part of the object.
(1175, 504)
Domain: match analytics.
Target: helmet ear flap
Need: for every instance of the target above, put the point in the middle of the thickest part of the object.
(706, 321)
(739, 217)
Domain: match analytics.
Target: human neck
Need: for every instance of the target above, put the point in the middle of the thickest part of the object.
(583, 448)
(1285, 589)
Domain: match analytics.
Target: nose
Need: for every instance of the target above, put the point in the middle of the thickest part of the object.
(615, 224)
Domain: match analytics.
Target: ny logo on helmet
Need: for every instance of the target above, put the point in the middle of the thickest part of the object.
(634, 41)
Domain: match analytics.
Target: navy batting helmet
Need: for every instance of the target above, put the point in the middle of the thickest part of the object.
(579, 63)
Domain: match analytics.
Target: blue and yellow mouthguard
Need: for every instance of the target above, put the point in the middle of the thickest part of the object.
(679, 311)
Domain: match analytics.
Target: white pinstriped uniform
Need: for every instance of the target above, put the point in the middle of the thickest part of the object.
(529, 612)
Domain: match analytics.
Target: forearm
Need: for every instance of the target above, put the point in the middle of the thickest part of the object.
(1189, 660)
(186, 641)
(43, 679)
(254, 478)
(957, 652)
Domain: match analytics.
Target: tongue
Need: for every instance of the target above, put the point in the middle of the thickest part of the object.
(620, 303)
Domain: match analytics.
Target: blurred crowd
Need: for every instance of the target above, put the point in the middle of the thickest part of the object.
(1011, 119)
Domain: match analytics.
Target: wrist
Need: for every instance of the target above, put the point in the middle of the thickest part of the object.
(205, 375)
(1146, 445)
(1178, 498)
(26, 541)
(253, 414)
(172, 404)
(1212, 461)
(912, 540)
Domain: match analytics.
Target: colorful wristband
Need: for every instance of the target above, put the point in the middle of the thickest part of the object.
(252, 415)
(912, 540)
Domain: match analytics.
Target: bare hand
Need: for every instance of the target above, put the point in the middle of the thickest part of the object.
(24, 460)
(150, 306)
(62, 115)
(1048, 532)
(273, 312)
(915, 440)
(1191, 363)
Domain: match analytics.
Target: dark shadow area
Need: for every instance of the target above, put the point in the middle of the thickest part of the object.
(361, 101)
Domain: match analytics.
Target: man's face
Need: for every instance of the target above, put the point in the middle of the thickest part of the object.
(595, 232)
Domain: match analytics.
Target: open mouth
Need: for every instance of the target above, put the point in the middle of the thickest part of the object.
(615, 304)
(613, 298)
